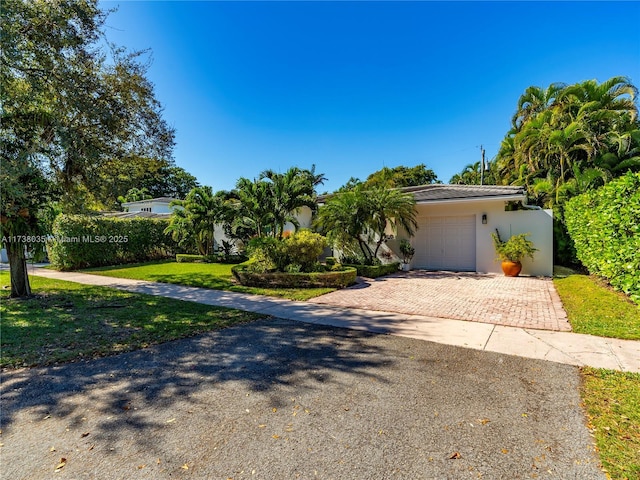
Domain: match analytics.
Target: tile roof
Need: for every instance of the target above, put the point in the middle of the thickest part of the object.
(439, 192)
(442, 192)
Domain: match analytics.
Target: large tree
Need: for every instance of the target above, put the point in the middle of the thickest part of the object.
(67, 112)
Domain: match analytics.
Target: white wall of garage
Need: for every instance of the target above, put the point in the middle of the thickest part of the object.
(538, 223)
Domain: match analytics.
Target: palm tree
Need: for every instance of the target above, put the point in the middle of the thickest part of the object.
(534, 101)
(393, 208)
(360, 217)
(196, 218)
(290, 191)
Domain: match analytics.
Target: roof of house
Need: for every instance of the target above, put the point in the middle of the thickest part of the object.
(152, 200)
(439, 192)
(136, 214)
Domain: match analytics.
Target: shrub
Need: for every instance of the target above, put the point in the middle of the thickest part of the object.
(605, 227)
(81, 241)
(298, 252)
(375, 271)
(304, 247)
(335, 279)
(186, 258)
(514, 249)
(330, 261)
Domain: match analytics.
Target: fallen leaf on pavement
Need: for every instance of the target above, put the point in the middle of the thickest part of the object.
(85, 434)
(455, 455)
(185, 467)
(504, 450)
(63, 462)
(484, 421)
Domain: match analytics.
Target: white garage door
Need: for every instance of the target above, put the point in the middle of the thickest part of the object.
(446, 243)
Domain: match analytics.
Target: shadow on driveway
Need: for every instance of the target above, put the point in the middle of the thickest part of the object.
(283, 399)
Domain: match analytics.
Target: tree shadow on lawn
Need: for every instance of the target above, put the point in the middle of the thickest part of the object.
(123, 391)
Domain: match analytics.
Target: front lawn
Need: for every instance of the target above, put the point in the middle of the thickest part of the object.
(66, 321)
(596, 309)
(216, 276)
(612, 400)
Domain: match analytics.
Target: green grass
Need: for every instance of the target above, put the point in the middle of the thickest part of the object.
(612, 400)
(216, 276)
(594, 308)
(65, 321)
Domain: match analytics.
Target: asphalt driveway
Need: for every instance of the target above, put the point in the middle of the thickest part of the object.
(284, 399)
(526, 302)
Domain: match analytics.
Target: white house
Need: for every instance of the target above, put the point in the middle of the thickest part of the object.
(456, 221)
(154, 205)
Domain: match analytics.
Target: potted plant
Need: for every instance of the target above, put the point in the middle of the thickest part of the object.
(512, 252)
(407, 251)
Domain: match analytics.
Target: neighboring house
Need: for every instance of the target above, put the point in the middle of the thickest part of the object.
(153, 205)
(456, 221)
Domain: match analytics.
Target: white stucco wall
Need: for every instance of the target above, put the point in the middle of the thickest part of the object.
(539, 223)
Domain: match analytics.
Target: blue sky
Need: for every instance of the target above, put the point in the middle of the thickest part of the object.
(355, 86)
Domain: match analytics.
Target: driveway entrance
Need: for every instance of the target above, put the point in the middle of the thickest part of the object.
(526, 302)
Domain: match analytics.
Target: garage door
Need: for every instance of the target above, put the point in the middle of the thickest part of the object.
(446, 243)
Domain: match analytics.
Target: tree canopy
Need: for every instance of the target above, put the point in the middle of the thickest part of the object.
(71, 117)
(395, 177)
(568, 138)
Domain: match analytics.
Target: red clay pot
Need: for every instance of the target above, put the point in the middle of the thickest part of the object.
(511, 269)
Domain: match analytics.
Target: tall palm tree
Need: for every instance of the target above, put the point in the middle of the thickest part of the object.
(290, 192)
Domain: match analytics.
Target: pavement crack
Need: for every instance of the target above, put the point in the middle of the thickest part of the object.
(493, 329)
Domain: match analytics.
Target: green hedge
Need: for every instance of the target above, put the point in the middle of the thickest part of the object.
(337, 279)
(215, 258)
(188, 258)
(605, 227)
(374, 271)
(82, 241)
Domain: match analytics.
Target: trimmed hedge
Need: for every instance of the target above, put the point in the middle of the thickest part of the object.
(215, 258)
(374, 271)
(82, 241)
(188, 258)
(605, 227)
(337, 279)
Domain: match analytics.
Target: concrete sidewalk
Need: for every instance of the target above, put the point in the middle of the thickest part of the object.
(562, 347)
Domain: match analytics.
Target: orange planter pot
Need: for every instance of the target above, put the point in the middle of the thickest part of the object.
(511, 269)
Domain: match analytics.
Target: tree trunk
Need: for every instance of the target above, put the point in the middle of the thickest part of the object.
(20, 286)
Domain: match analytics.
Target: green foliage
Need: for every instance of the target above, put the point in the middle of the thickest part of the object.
(514, 249)
(401, 176)
(193, 221)
(188, 258)
(304, 247)
(70, 114)
(567, 139)
(81, 241)
(330, 261)
(605, 227)
(329, 279)
(298, 252)
(360, 218)
(375, 271)
(263, 206)
(407, 250)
